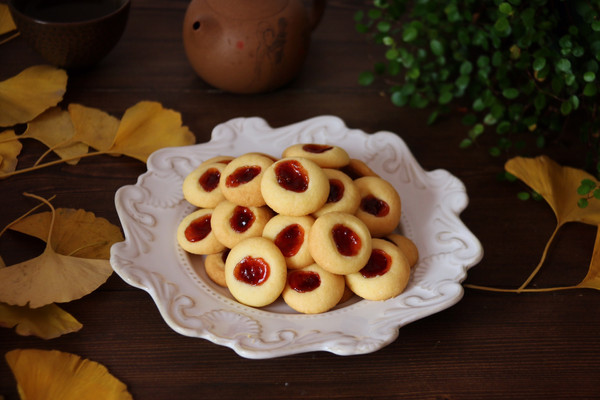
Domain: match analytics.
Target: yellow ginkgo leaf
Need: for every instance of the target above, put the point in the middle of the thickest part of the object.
(75, 232)
(46, 322)
(28, 94)
(10, 148)
(592, 278)
(558, 186)
(56, 278)
(147, 127)
(51, 278)
(51, 374)
(55, 129)
(6, 22)
(93, 126)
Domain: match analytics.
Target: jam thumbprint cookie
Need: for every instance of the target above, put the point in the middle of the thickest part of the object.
(240, 183)
(214, 265)
(324, 155)
(195, 234)
(201, 186)
(407, 246)
(384, 276)
(232, 223)
(255, 272)
(312, 290)
(340, 243)
(295, 186)
(290, 234)
(343, 194)
(380, 206)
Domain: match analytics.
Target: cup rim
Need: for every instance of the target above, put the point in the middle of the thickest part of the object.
(12, 4)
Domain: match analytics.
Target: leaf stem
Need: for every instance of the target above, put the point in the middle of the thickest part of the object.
(544, 254)
(50, 163)
(9, 38)
(525, 290)
(53, 215)
(24, 215)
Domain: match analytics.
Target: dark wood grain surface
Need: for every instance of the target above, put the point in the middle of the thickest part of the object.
(488, 346)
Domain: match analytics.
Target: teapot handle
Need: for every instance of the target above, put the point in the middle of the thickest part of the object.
(316, 13)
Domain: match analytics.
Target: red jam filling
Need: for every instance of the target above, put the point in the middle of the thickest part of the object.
(379, 263)
(374, 206)
(292, 176)
(304, 281)
(242, 175)
(290, 239)
(242, 219)
(347, 241)
(336, 191)
(210, 179)
(252, 271)
(316, 148)
(198, 229)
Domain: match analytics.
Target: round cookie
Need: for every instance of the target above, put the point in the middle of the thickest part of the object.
(324, 155)
(241, 178)
(295, 186)
(201, 186)
(218, 159)
(195, 234)
(255, 272)
(312, 290)
(384, 276)
(343, 194)
(357, 169)
(407, 247)
(214, 265)
(290, 235)
(232, 223)
(340, 243)
(380, 205)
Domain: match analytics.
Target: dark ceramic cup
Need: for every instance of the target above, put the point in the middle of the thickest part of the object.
(71, 33)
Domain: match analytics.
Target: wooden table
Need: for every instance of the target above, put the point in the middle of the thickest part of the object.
(489, 345)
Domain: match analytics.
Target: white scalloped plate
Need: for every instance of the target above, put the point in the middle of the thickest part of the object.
(150, 258)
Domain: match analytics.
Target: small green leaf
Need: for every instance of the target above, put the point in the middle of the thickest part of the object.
(505, 8)
(566, 107)
(465, 143)
(410, 34)
(374, 13)
(586, 186)
(495, 151)
(589, 76)
(502, 25)
(510, 93)
(524, 196)
(437, 47)
(597, 193)
(582, 203)
(399, 99)
(590, 89)
(503, 127)
(563, 65)
(384, 26)
(539, 63)
(366, 78)
(359, 15)
(445, 98)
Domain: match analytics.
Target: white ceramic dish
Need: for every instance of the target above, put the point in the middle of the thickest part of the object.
(150, 258)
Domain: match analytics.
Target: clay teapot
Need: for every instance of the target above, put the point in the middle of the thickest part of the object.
(249, 46)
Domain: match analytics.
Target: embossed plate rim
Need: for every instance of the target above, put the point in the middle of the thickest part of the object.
(150, 259)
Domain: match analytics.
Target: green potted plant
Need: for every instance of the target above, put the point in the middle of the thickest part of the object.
(518, 70)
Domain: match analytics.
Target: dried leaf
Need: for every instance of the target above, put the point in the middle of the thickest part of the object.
(51, 374)
(6, 22)
(93, 126)
(55, 129)
(53, 277)
(147, 127)
(10, 148)
(47, 322)
(28, 94)
(558, 186)
(75, 232)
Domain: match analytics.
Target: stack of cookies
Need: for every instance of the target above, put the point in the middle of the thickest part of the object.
(314, 227)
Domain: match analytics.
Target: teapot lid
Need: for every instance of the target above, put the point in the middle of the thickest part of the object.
(244, 9)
